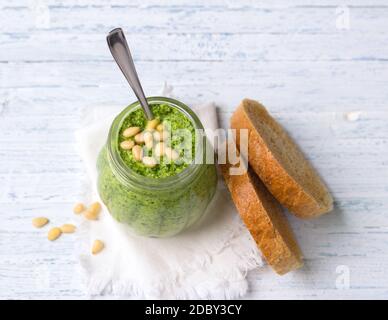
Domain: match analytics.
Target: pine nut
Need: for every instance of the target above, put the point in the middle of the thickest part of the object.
(54, 234)
(68, 228)
(79, 208)
(164, 136)
(95, 207)
(171, 154)
(152, 124)
(161, 136)
(91, 215)
(157, 136)
(40, 222)
(149, 162)
(137, 152)
(127, 145)
(93, 211)
(160, 127)
(130, 132)
(148, 139)
(139, 138)
(97, 247)
(159, 149)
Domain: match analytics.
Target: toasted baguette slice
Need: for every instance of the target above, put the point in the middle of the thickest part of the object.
(264, 219)
(279, 163)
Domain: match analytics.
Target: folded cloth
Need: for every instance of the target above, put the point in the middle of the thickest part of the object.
(209, 261)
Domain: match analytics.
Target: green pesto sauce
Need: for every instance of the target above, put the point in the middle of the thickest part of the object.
(182, 140)
(153, 212)
(156, 213)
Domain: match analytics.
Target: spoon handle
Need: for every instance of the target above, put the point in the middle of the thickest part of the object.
(119, 48)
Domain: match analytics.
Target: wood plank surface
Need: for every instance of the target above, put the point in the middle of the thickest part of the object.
(324, 80)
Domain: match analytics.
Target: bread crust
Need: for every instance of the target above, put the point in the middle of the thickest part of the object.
(264, 219)
(305, 195)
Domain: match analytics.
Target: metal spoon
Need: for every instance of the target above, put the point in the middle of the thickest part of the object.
(119, 48)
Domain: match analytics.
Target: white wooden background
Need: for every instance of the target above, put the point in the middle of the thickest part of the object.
(300, 58)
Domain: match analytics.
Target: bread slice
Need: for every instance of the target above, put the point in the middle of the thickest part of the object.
(264, 218)
(279, 163)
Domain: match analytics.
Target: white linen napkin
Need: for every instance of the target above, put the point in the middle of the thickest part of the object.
(209, 261)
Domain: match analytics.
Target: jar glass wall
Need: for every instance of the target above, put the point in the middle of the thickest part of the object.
(157, 207)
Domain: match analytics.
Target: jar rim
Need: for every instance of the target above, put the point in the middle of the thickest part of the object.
(130, 177)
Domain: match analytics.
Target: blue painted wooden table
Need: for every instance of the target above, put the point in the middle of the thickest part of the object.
(320, 67)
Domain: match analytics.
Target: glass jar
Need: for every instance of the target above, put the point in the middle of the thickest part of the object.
(155, 207)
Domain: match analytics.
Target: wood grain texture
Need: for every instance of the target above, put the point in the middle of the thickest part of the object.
(55, 67)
